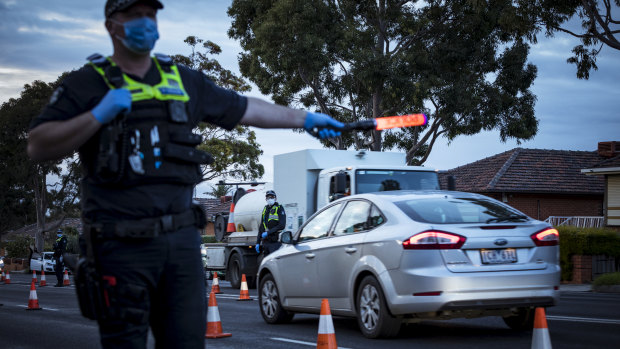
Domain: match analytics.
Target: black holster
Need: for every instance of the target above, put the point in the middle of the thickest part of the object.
(89, 290)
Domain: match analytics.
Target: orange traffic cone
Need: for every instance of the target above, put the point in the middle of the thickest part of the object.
(43, 282)
(244, 295)
(7, 279)
(214, 325)
(33, 302)
(34, 276)
(3, 276)
(65, 279)
(230, 228)
(215, 286)
(327, 336)
(540, 337)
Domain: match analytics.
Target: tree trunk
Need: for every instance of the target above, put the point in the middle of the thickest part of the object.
(40, 195)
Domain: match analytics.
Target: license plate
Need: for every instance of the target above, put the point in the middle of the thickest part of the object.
(503, 256)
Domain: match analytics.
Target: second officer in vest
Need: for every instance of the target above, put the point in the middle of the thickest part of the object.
(273, 221)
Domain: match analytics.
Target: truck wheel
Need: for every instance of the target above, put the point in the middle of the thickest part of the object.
(270, 305)
(523, 320)
(373, 317)
(233, 274)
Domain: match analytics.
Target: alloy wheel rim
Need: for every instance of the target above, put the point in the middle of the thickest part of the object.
(269, 299)
(369, 307)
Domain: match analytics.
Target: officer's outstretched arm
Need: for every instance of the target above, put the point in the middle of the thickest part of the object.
(263, 114)
(56, 139)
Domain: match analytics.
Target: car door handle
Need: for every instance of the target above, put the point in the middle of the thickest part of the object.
(310, 255)
(350, 250)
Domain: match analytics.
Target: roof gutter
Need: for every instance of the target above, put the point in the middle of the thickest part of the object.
(601, 171)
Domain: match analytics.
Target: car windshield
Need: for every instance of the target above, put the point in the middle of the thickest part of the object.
(368, 181)
(48, 256)
(451, 210)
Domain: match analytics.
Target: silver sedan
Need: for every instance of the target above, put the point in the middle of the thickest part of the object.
(404, 256)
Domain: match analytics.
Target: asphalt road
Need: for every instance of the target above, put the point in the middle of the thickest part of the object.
(582, 320)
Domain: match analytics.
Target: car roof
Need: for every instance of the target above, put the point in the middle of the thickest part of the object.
(399, 195)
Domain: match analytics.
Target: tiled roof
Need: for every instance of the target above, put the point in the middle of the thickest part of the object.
(613, 162)
(32, 228)
(530, 171)
(213, 206)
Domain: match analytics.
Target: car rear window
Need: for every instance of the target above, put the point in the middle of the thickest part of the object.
(451, 210)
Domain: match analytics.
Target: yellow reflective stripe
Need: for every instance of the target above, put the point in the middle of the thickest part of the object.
(169, 88)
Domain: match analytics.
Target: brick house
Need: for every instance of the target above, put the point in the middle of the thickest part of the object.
(211, 207)
(609, 170)
(537, 182)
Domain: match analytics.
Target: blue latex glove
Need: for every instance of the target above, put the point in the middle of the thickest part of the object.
(322, 126)
(257, 248)
(114, 102)
(263, 235)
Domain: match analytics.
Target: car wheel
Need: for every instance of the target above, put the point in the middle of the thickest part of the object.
(233, 274)
(373, 316)
(270, 306)
(523, 320)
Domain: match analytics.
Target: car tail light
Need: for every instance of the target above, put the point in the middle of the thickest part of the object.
(434, 240)
(547, 237)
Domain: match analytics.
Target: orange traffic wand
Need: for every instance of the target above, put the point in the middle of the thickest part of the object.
(214, 325)
(383, 123)
(327, 336)
(215, 286)
(33, 301)
(244, 294)
(540, 337)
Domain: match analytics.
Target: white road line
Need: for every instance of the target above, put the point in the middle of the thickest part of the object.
(583, 319)
(298, 342)
(25, 306)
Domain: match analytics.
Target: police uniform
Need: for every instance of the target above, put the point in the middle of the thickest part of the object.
(60, 245)
(273, 221)
(139, 175)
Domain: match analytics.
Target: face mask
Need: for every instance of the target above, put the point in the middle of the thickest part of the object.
(270, 202)
(140, 34)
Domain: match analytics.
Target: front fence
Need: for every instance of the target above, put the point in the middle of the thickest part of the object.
(577, 221)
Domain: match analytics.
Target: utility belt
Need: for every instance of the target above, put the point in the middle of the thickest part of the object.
(147, 228)
(97, 293)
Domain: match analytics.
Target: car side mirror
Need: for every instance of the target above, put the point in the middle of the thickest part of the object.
(286, 237)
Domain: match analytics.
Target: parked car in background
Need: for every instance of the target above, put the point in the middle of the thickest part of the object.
(406, 256)
(43, 261)
(1, 262)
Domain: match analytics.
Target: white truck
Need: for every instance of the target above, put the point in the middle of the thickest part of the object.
(305, 181)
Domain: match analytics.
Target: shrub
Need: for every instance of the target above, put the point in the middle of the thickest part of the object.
(19, 247)
(607, 279)
(586, 241)
(208, 239)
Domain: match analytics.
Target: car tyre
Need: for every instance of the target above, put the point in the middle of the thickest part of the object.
(373, 317)
(233, 274)
(523, 320)
(269, 300)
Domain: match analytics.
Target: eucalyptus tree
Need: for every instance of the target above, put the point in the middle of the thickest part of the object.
(462, 62)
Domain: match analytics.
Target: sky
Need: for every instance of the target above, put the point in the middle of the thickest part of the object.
(41, 39)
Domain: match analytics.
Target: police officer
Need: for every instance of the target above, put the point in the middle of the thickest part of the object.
(60, 246)
(273, 221)
(131, 116)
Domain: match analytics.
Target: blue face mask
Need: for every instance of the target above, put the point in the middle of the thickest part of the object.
(140, 34)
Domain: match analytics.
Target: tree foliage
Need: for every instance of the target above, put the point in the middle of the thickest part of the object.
(462, 62)
(600, 26)
(25, 195)
(235, 152)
